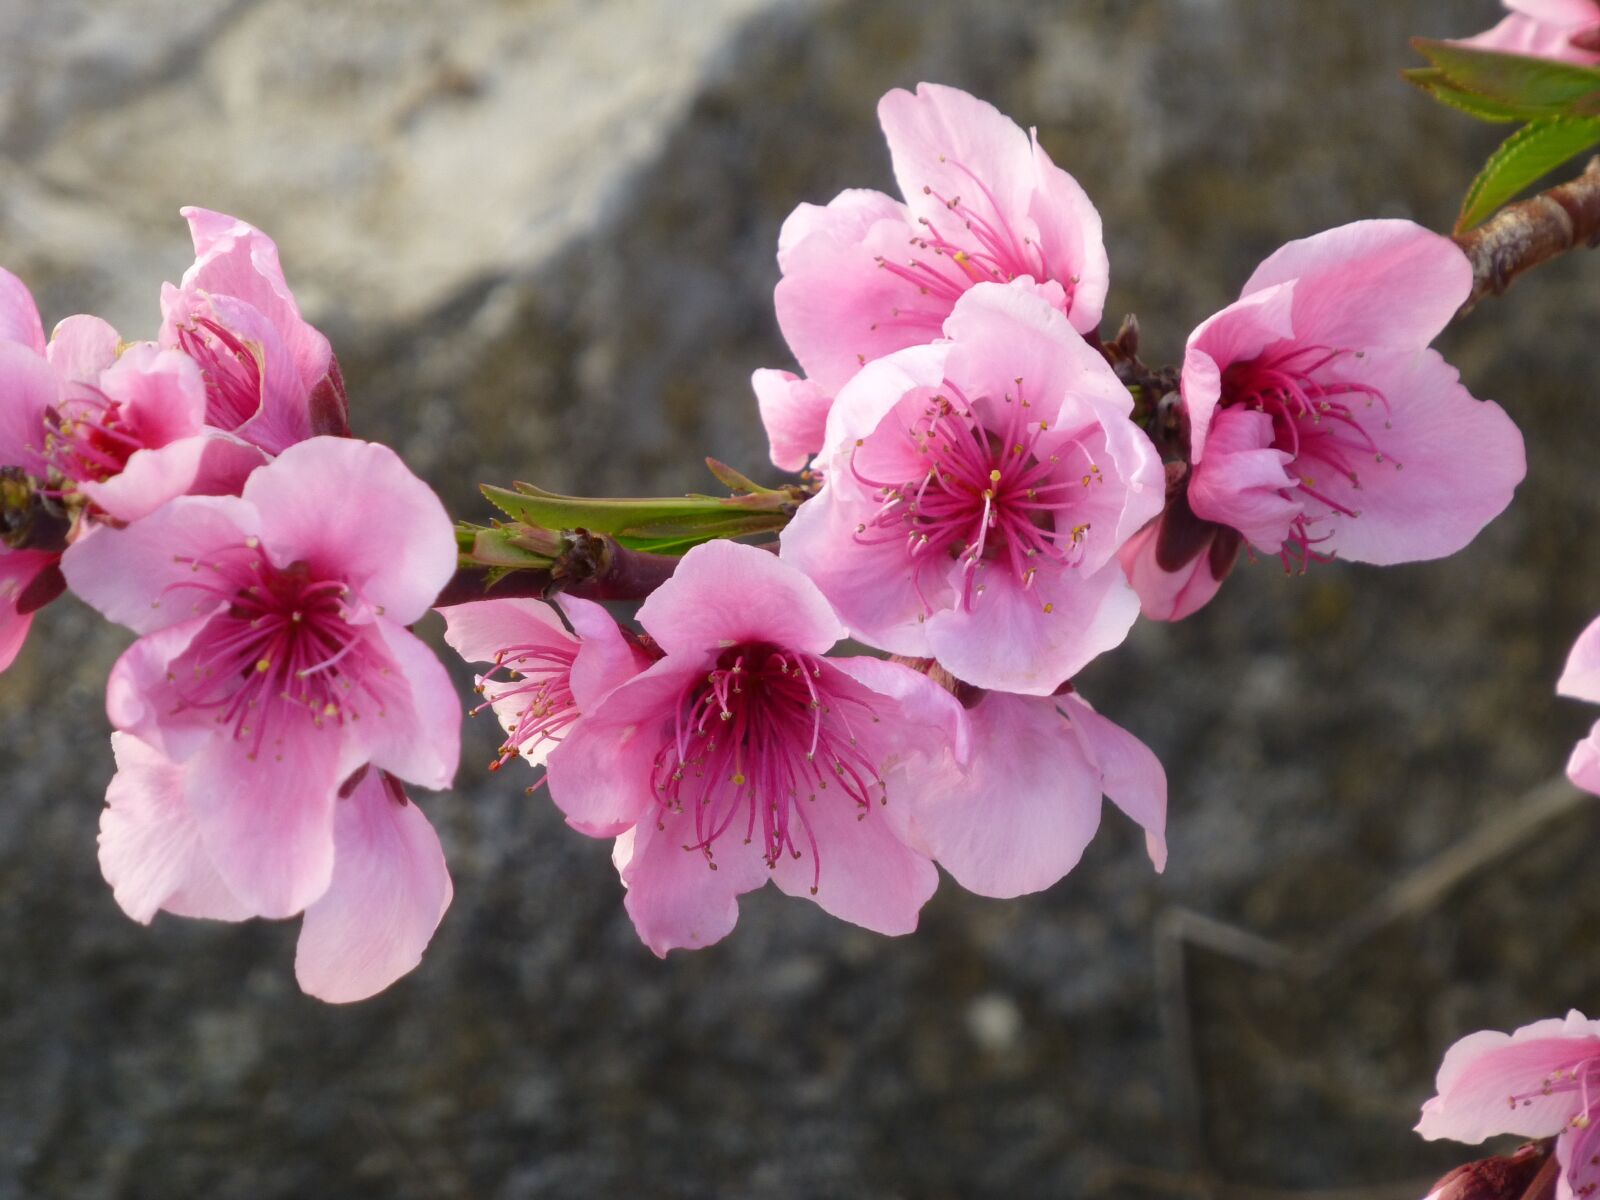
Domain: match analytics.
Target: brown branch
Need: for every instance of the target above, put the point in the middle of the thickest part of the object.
(1521, 236)
(591, 565)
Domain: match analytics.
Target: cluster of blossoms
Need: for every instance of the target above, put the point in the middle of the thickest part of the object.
(202, 490)
(991, 496)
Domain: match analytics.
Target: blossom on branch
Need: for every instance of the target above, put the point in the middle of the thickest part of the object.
(744, 754)
(1540, 1081)
(976, 494)
(866, 275)
(1321, 425)
(275, 661)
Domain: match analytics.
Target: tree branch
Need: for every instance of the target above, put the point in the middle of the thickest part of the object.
(590, 565)
(1521, 236)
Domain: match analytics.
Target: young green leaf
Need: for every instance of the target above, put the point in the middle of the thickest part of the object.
(1438, 85)
(1516, 79)
(1528, 154)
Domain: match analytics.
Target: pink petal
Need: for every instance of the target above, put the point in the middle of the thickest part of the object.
(146, 576)
(1519, 34)
(267, 820)
(19, 315)
(1580, 678)
(81, 347)
(211, 464)
(150, 850)
(1238, 333)
(675, 899)
(479, 631)
(389, 891)
(18, 568)
(1071, 237)
(723, 593)
(1129, 772)
(1241, 483)
(1370, 284)
(1482, 1071)
(600, 774)
(606, 658)
(1009, 641)
(162, 393)
(1019, 817)
(416, 733)
(1583, 767)
(1170, 595)
(846, 220)
(283, 415)
(873, 393)
(839, 308)
(352, 510)
(925, 716)
(27, 388)
(1578, 1152)
(140, 698)
(863, 873)
(1451, 465)
(795, 414)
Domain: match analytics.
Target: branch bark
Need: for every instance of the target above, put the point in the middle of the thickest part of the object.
(591, 565)
(1522, 235)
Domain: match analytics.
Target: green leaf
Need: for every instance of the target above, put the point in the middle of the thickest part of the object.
(1516, 79)
(737, 482)
(1438, 85)
(533, 506)
(1528, 154)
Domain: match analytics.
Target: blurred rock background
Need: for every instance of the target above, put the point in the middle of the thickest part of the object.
(541, 237)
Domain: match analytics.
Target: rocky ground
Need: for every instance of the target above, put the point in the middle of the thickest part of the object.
(541, 236)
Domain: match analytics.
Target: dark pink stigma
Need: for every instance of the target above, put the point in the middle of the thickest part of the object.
(759, 739)
(541, 674)
(988, 497)
(279, 652)
(1323, 423)
(993, 252)
(86, 439)
(232, 370)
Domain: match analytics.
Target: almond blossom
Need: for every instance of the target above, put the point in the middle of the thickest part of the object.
(270, 376)
(744, 754)
(544, 677)
(1018, 815)
(1540, 1081)
(1562, 30)
(1320, 424)
(866, 275)
(386, 893)
(275, 661)
(976, 494)
(1581, 680)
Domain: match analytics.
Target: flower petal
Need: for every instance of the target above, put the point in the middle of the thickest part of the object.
(1130, 773)
(19, 315)
(675, 899)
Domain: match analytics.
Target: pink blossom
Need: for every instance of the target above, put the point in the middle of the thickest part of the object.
(1540, 1081)
(977, 491)
(866, 275)
(270, 376)
(743, 754)
(544, 677)
(386, 893)
(1581, 680)
(1178, 562)
(275, 660)
(1018, 815)
(1563, 30)
(1320, 424)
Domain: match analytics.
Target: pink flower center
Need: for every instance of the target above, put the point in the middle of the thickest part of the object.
(993, 250)
(88, 441)
(1322, 423)
(540, 678)
(758, 740)
(987, 497)
(232, 372)
(281, 653)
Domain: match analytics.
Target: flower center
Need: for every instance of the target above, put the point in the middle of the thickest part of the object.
(988, 497)
(540, 677)
(1322, 423)
(758, 740)
(281, 651)
(992, 251)
(232, 372)
(88, 441)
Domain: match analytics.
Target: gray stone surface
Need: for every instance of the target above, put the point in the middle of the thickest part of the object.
(541, 238)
